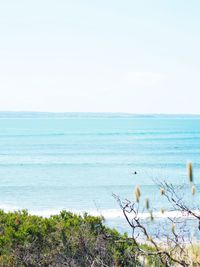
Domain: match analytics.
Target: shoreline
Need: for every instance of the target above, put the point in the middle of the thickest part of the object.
(106, 213)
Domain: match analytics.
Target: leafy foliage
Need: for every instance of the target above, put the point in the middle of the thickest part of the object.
(62, 240)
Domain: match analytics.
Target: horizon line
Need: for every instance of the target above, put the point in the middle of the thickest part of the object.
(99, 113)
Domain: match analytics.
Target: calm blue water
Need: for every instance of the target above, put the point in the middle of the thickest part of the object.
(50, 162)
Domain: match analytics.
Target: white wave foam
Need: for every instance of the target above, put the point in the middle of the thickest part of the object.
(114, 214)
(107, 214)
(7, 207)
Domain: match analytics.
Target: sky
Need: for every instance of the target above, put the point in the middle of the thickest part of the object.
(100, 56)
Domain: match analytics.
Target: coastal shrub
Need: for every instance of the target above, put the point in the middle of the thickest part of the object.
(66, 239)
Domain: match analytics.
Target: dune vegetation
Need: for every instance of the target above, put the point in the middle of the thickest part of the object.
(72, 240)
(63, 240)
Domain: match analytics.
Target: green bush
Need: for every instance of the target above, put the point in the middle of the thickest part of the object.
(66, 239)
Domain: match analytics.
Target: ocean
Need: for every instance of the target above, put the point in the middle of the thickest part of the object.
(77, 161)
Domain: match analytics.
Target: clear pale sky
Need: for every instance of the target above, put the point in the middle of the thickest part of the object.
(100, 56)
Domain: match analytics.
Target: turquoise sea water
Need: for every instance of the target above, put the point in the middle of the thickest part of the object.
(50, 162)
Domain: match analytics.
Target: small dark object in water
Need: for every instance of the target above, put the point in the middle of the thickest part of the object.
(135, 172)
